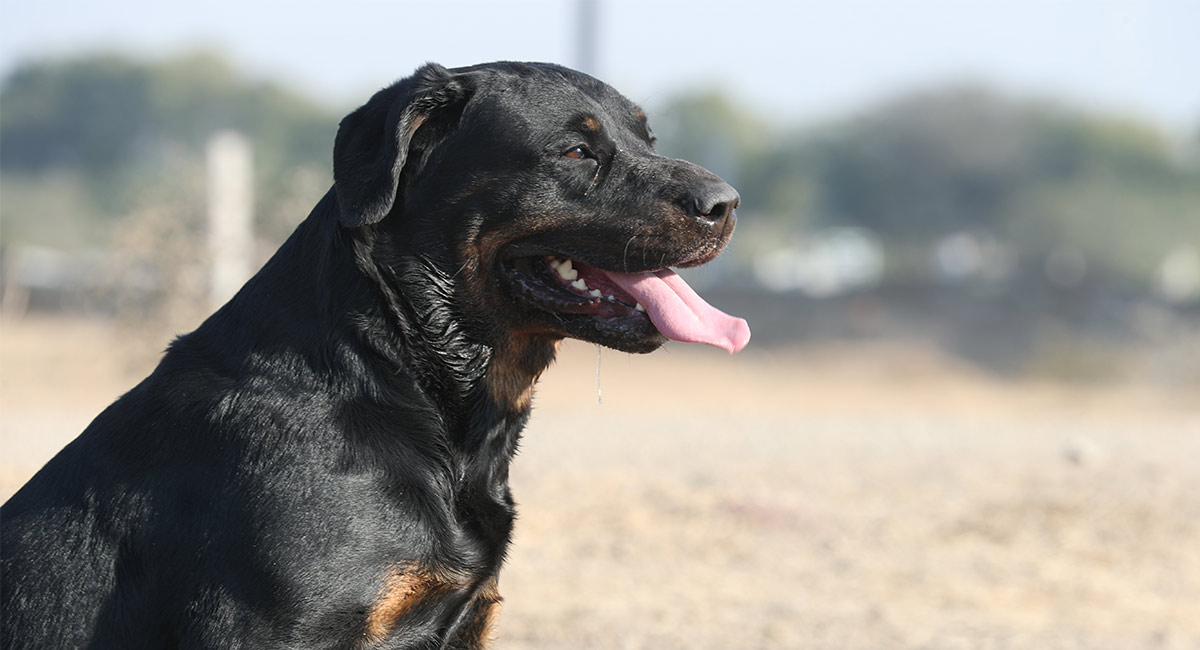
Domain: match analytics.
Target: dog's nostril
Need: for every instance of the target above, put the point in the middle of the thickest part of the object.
(719, 211)
(716, 203)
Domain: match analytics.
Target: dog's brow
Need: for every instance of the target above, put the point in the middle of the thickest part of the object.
(590, 124)
(645, 124)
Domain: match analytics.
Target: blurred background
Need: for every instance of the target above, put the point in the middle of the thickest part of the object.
(968, 247)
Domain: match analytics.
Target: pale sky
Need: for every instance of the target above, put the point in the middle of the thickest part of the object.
(789, 60)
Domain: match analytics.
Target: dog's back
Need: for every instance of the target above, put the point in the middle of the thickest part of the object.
(156, 512)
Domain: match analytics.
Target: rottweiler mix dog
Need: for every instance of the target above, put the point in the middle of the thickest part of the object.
(324, 462)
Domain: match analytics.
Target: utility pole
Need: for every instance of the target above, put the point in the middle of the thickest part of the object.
(586, 19)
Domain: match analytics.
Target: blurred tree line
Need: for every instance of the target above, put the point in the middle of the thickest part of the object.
(87, 142)
(1030, 178)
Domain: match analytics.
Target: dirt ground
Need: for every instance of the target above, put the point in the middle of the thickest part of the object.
(868, 496)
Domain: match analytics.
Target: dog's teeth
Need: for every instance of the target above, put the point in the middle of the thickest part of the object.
(639, 307)
(580, 284)
(566, 271)
(612, 297)
(596, 293)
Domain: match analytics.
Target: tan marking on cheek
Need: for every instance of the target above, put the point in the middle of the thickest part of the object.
(478, 631)
(507, 384)
(517, 364)
(404, 589)
(485, 624)
(515, 369)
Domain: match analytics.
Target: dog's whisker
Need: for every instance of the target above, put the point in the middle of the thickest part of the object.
(595, 179)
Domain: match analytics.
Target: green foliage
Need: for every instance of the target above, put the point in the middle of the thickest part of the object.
(961, 159)
(82, 114)
(114, 123)
(96, 114)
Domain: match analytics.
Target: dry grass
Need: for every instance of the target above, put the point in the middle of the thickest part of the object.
(848, 497)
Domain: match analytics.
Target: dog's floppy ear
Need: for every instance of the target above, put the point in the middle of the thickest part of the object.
(372, 143)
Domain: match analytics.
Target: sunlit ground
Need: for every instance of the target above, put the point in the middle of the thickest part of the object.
(859, 496)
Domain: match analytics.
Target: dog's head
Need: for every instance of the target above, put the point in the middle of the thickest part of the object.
(533, 194)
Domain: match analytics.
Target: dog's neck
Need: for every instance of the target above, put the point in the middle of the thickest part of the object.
(373, 341)
(395, 315)
(482, 388)
(480, 380)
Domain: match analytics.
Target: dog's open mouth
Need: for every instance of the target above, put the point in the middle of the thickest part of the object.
(626, 300)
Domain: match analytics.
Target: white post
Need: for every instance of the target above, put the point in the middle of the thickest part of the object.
(230, 215)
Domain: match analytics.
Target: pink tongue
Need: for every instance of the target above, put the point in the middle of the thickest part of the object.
(680, 313)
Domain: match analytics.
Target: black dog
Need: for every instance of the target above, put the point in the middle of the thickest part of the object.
(324, 462)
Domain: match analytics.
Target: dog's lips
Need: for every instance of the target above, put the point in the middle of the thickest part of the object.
(564, 285)
(590, 282)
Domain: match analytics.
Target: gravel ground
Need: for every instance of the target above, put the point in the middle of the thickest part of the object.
(850, 497)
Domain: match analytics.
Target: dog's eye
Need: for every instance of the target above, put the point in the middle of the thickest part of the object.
(578, 153)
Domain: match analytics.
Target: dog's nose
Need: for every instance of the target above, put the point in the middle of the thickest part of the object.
(715, 202)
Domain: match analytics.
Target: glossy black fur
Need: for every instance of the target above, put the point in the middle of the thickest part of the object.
(351, 414)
